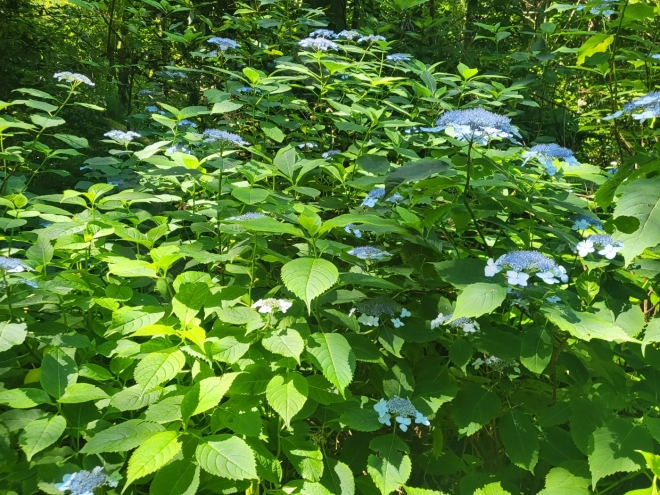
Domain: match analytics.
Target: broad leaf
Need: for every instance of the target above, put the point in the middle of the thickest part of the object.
(333, 355)
(308, 278)
(40, 434)
(474, 407)
(287, 394)
(228, 457)
(392, 467)
(520, 439)
(478, 299)
(206, 394)
(11, 334)
(180, 477)
(122, 437)
(58, 371)
(158, 367)
(153, 454)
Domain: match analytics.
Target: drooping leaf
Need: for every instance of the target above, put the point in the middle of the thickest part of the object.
(11, 334)
(287, 394)
(520, 439)
(121, 437)
(334, 357)
(478, 299)
(474, 407)
(392, 467)
(40, 434)
(308, 278)
(206, 394)
(58, 371)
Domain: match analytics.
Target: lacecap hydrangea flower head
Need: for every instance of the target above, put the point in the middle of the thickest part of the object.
(465, 324)
(546, 154)
(12, 265)
(608, 246)
(122, 137)
(375, 194)
(372, 309)
(403, 411)
(369, 253)
(476, 125)
(215, 135)
(73, 78)
(224, 43)
(522, 264)
(319, 44)
(85, 482)
(323, 33)
(646, 107)
(583, 222)
(271, 304)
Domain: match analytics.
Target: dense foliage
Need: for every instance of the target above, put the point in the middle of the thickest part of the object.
(245, 252)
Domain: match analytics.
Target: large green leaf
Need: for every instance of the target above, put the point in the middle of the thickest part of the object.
(572, 478)
(521, 439)
(189, 300)
(23, 398)
(122, 437)
(228, 457)
(333, 355)
(598, 43)
(305, 456)
(612, 448)
(11, 334)
(287, 394)
(158, 367)
(585, 326)
(391, 468)
(41, 252)
(478, 299)
(536, 349)
(39, 434)
(58, 371)
(82, 392)
(640, 199)
(128, 320)
(474, 407)
(153, 454)
(308, 278)
(287, 342)
(180, 477)
(249, 195)
(338, 477)
(414, 171)
(206, 394)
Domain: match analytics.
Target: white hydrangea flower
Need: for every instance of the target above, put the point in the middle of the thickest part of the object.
(397, 323)
(420, 419)
(368, 320)
(553, 299)
(548, 277)
(492, 268)
(272, 304)
(584, 248)
(404, 423)
(517, 278)
(404, 313)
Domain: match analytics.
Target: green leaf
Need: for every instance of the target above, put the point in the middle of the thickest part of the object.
(179, 477)
(129, 320)
(58, 371)
(153, 454)
(272, 131)
(249, 195)
(82, 392)
(287, 342)
(612, 448)
(492, 489)
(478, 299)
(474, 407)
(287, 394)
(652, 462)
(23, 398)
(11, 334)
(596, 44)
(536, 349)
(361, 419)
(332, 354)
(41, 251)
(374, 164)
(572, 478)
(308, 278)
(122, 437)
(228, 457)
(585, 326)
(133, 268)
(306, 457)
(73, 141)
(338, 477)
(640, 200)
(189, 300)
(158, 367)
(226, 106)
(39, 434)
(651, 334)
(46, 121)
(392, 467)
(206, 394)
(415, 171)
(521, 439)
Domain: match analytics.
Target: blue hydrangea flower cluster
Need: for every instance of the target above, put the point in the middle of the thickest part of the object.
(320, 44)
(372, 309)
(546, 154)
(187, 123)
(496, 364)
(606, 8)
(151, 109)
(323, 33)
(330, 153)
(404, 411)
(246, 216)
(375, 194)
(397, 57)
(476, 125)
(349, 35)
(371, 38)
(369, 253)
(73, 78)
(214, 135)
(583, 222)
(248, 90)
(307, 146)
(608, 246)
(12, 265)
(350, 229)
(85, 482)
(519, 263)
(648, 107)
(177, 148)
(465, 324)
(224, 43)
(145, 92)
(122, 137)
